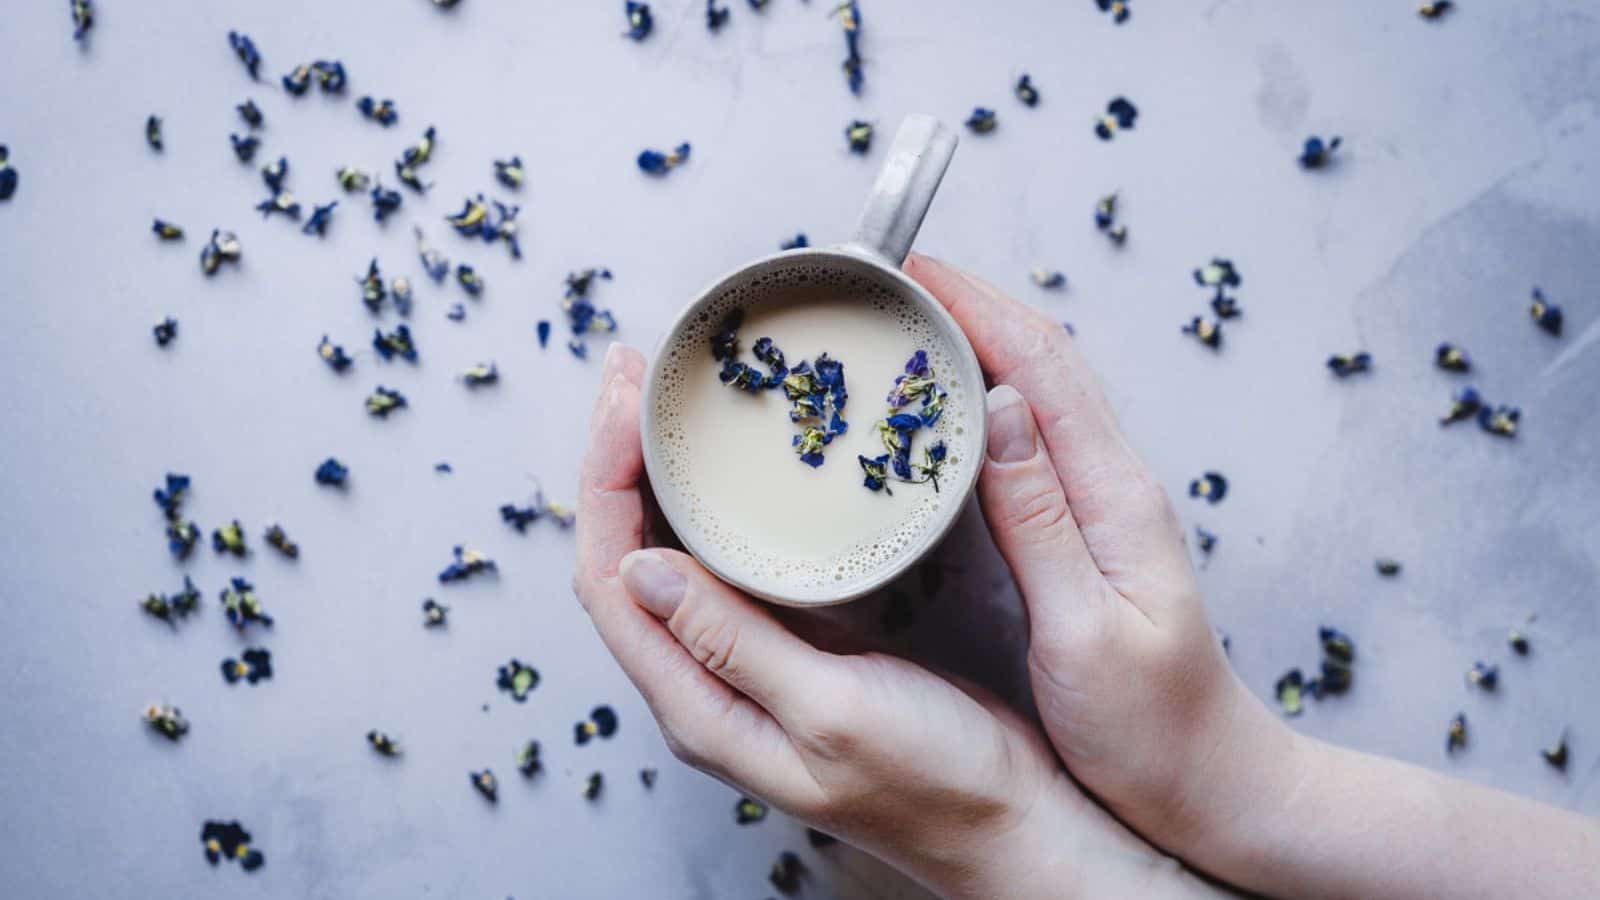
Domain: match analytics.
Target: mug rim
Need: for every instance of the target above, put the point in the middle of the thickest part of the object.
(966, 358)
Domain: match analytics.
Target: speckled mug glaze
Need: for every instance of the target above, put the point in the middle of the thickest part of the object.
(894, 210)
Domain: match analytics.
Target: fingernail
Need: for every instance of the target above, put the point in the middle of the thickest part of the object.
(1011, 430)
(652, 583)
(612, 360)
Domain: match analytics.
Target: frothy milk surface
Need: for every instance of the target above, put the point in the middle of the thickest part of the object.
(753, 509)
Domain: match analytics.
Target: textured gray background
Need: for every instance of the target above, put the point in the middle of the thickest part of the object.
(1468, 176)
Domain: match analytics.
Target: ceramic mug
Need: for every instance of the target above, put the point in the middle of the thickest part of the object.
(893, 213)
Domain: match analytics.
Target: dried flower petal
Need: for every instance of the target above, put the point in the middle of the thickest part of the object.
(484, 783)
(230, 539)
(1484, 675)
(242, 606)
(1205, 331)
(380, 111)
(749, 810)
(510, 172)
(321, 218)
(8, 174)
(798, 242)
(982, 120)
(1025, 91)
(82, 19)
(396, 343)
(1557, 756)
(1545, 314)
(251, 114)
(1456, 736)
(1388, 568)
(1343, 366)
(332, 473)
(384, 401)
(528, 762)
(517, 679)
(716, 16)
(858, 135)
(352, 179)
(1500, 420)
(383, 202)
(1120, 114)
(223, 247)
(1117, 8)
(1451, 358)
(434, 614)
(1435, 9)
(278, 539)
(467, 563)
(593, 785)
(1288, 691)
(165, 331)
(152, 133)
(849, 14)
(655, 162)
(785, 873)
(1049, 279)
(333, 355)
(245, 49)
(253, 665)
(1211, 486)
(167, 720)
(228, 840)
(1318, 153)
(640, 22)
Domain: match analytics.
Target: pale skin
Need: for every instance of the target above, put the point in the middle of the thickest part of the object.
(1135, 697)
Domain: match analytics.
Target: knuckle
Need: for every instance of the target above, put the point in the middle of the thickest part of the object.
(1037, 511)
(713, 641)
(688, 752)
(833, 733)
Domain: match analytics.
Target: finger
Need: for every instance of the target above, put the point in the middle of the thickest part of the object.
(1030, 520)
(705, 722)
(1127, 524)
(732, 637)
(610, 509)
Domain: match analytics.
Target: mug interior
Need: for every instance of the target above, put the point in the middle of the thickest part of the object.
(738, 558)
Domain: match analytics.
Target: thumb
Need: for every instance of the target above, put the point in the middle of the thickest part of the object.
(1027, 511)
(729, 634)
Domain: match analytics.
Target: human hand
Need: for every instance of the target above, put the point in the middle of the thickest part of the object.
(1132, 685)
(941, 781)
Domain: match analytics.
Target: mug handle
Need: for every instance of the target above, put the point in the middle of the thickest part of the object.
(904, 189)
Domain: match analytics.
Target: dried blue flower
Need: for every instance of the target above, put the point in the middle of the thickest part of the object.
(383, 401)
(1049, 279)
(1316, 153)
(799, 241)
(250, 113)
(1557, 756)
(457, 312)
(152, 133)
(245, 147)
(1483, 675)
(1334, 678)
(583, 317)
(748, 811)
(433, 262)
(1105, 219)
(181, 604)
(1465, 404)
(396, 343)
(167, 720)
(281, 202)
(166, 231)
(298, 81)
(222, 247)
(242, 606)
(352, 179)
(858, 135)
(473, 220)
(245, 49)
(422, 150)
(1546, 315)
(274, 174)
(1518, 641)
(278, 539)
(917, 383)
(542, 331)
(333, 355)
(8, 174)
(849, 13)
(380, 111)
(602, 722)
(321, 217)
(467, 563)
(654, 162)
(165, 331)
(182, 537)
(1343, 366)
(383, 202)
(592, 786)
(1211, 486)
(1218, 273)
(229, 539)
(640, 22)
(480, 375)
(510, 172)
(528, 759)
(578, 348)
(1025, 91)
(1336, 644)
(170, 498)
(521, 517)
(382, 744)
(1120, 114)
(517, 678)
(1435, 9)
(1451, 358)
(875, 472)
(1204, 540)
(82, 19)
(373, 293)
(434, 614)
(1500, 420)
(484, 783)
(1456, 736)
(229, 840)
(400, 291)
(1205, 331)
(786, 872)
(469, 279)
(1117, 8)
(408, 177)
(1387, 567)
(716, 16)
(330, 75)
(332, 473)
(982, 120)
(1289, 690)
(647, 776)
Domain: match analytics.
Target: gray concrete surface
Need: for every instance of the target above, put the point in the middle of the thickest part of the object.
(1468, 176)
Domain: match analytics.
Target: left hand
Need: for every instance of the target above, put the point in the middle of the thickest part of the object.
(940, 781)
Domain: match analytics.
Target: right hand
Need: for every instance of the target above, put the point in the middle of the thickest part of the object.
(1132, 684)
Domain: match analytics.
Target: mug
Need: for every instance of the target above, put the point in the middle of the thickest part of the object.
(889, 221)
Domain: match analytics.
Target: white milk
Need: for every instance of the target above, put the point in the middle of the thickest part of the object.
(760, 514)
